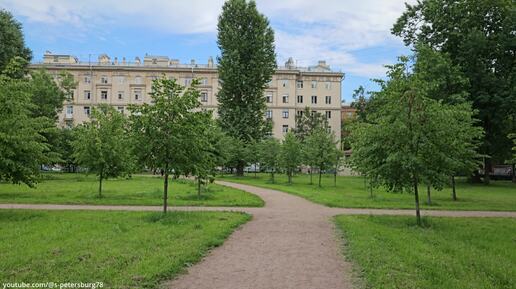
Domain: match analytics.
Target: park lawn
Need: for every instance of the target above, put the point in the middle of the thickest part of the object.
(65, 188)
(451, 253)
(351, 193)
(120, 249)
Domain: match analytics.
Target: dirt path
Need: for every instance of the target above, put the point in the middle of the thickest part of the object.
(289, 243)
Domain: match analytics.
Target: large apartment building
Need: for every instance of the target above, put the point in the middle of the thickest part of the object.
(119, 83)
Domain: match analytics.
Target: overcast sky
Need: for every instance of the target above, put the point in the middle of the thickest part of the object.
(352, 36)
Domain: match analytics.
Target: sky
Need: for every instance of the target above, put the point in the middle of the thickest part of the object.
(352, 36)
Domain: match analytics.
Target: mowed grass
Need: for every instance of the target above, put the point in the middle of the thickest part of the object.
(350, 192)
(452, 253)
(120, 249)
(63, 188)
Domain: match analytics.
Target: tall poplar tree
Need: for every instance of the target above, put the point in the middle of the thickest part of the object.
(245, 66)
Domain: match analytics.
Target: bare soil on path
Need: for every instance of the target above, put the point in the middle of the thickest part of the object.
(289, 243)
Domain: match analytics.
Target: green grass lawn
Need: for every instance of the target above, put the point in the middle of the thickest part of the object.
(451, 253)
(351, 193)
(121, 249)
(63, 188)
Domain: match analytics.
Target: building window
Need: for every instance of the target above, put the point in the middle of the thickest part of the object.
(87, 94)
(284, 128)
(268, 114)
(137, 94)
(327, 85)
(87, 79)
(314, 99)
(299, 99)
(87, 110)
(120, 109)
(204, 97)
(268, 98)
(69, 110)
(299, 113)
(104, 80)
(328, 99)
(328, 114)
(284, 83)
(103, 94)
(138, 80)
(120, 95)
(71, 94)
(284, 113)
(299, 84)
(285, 98)
(314, 84)
(188, 81)
(204, 81)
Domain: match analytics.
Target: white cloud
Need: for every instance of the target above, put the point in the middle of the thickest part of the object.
(307, 30)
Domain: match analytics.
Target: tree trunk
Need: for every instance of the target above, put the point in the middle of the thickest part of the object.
(240, 169)
(100, 183)
(487, 170)
(335, 178)
(429, 198)
(289, 177)
(416, 196)
(454, 194)
(272, 176)
(371, 190)
(311, 182)
(165, 192)
(198, 187)
(320, 175)
(513, 173)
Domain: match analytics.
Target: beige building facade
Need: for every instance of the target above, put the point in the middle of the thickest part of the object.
(120, 83)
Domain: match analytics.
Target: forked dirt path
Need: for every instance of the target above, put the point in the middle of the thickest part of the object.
(289, 243)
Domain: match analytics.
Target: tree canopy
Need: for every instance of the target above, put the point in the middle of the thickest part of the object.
(12, 43)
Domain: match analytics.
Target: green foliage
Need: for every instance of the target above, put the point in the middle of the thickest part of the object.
(121, 249)
(309, 121)
(360, 103)
(320, 150)
(102, 144)
(65, 149)
(23, 147)
(459, 253)
(269, 155)
(478, 37)
(246, 65)
(412, 138)
(291, 154)
(12, 43)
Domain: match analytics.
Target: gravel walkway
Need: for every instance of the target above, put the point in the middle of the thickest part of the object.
(289, 243)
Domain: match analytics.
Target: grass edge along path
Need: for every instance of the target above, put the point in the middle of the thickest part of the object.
(392, 252)
(351, 193)
(120, 249)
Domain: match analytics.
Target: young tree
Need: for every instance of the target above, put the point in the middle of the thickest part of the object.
(12, 43)
(309, 121)
(320, 150)
(22, 147)
(246, 65)
(478, 36)
(102, 145)
(269, 151)
(291, 157)
(165, 130)
(410, 137)
(64, 147)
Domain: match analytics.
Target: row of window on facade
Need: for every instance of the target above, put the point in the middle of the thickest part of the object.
(300, 99)
(285, 113)
(139, 80)
(137, 95)
(87, 110)
(300, 84)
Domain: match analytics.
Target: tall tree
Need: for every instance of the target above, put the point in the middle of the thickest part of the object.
(410, 137)
(291, 155)
(12, 42)
(23, 147)
(479, 37)
(246, 65)
(165, 131)
(269, 151)
(320, 150)
(102, 146)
